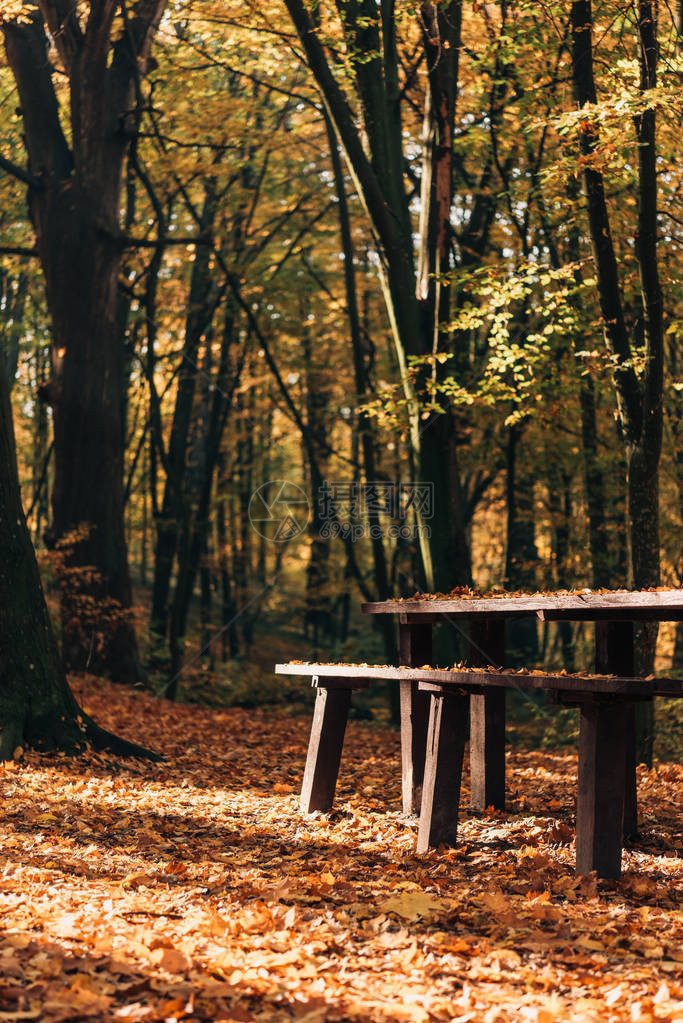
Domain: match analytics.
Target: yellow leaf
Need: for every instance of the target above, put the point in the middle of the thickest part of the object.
(171, 960)
(413, 905)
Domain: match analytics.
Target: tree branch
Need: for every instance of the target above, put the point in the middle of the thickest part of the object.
(46, 145)
(19, 172)
(646, 238)
(19, 250)
(129, 242)
(629, 399)
(336, 103)
(61, 17)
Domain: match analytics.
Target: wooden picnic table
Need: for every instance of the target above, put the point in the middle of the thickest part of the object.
(606, 801)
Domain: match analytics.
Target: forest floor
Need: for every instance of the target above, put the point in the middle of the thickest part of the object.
(194, 888)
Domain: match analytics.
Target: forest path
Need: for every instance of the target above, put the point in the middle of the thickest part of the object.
(194, 889)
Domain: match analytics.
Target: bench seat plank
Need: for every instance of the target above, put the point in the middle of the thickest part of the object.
(468, 678)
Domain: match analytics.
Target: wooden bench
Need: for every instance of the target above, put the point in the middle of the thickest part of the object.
(603, 702)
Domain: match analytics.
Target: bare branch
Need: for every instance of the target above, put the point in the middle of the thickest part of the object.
(18, 172)
(129, 242)
(18, 250)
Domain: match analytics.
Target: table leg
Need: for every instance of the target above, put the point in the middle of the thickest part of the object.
(415, 649)
(487, 719)
(443, 770)
(325, 748)
(615, 655)
(600, 800)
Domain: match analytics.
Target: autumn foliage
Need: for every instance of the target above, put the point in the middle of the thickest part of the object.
(194, 889)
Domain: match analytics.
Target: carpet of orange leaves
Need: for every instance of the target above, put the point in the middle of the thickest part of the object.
(194, 888)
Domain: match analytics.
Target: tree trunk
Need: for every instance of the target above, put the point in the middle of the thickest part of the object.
(639, 400)
(521, 556)
(366, 430)
(318, 612)
(13, 291)
(74, 199)
(229, 639)
(195, 532)
(199, 314)
(81, 272)
(379, 179)
(37, 708)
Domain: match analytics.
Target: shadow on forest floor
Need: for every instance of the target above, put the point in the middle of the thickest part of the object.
(195, 888)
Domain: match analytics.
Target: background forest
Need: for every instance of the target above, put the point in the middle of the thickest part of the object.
(268, 269)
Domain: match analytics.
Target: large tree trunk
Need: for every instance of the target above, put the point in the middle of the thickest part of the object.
(74, 199)
(37, 708)
(81, 273)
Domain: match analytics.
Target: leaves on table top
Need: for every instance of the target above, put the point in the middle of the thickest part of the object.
(472, 593)
(194, 889)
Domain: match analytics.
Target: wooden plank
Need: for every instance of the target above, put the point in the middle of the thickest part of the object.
(600, 800)
(635, 687)
(564, 699)
(487, 750)
(443, 771)
(487, 718)
(415, 648)
(615, 655)
(667, 687)
(330, 715)
(658, 605)
(344, 682)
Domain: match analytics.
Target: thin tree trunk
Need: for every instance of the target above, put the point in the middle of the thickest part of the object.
(199, 314)
(13, 291)
(560, 506)
(379, 180)
(521, 556)
(639, 402)
(195, 534)
(365, 424)
(318, 611)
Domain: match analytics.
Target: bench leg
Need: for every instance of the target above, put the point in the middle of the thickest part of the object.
(630, 829)
(443, 771)
(415, 650)
(600, 801)
(487, 719)
(615, 655)
(325, 748)
(487, 750)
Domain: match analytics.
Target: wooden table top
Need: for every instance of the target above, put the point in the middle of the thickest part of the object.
(616, 605)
